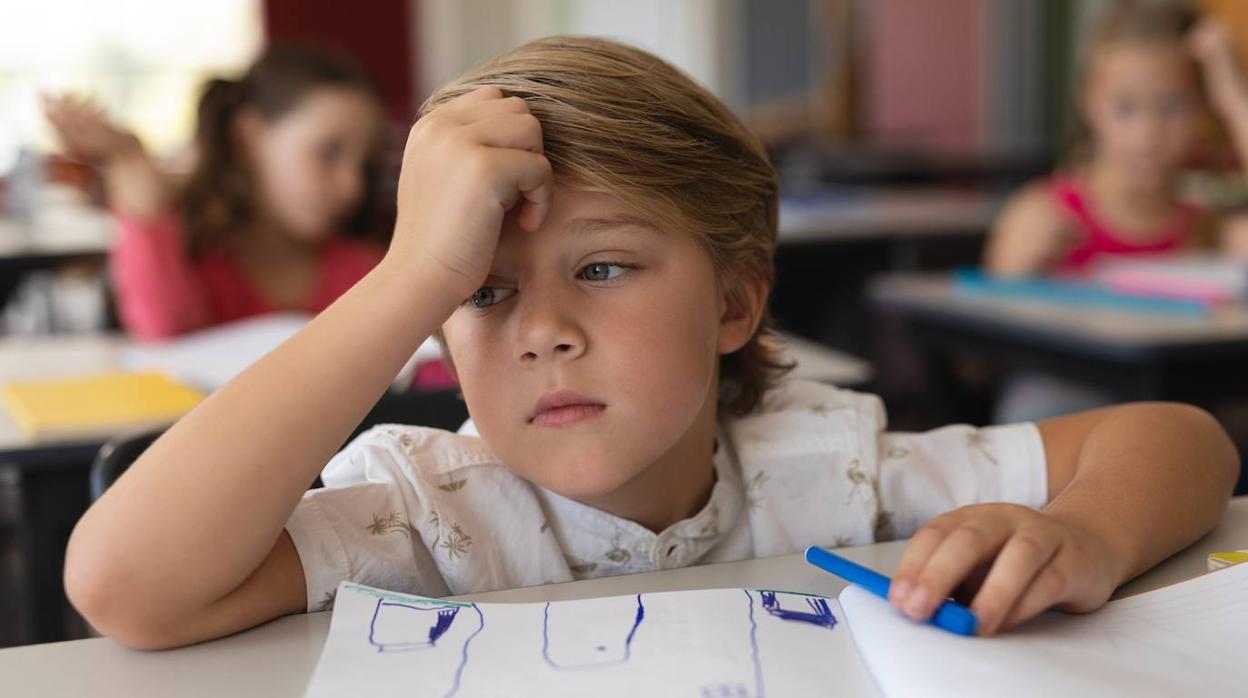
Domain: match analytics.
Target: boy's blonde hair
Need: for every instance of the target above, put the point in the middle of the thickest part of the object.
(618, 120)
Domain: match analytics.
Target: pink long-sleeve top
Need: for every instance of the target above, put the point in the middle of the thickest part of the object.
(162, 292)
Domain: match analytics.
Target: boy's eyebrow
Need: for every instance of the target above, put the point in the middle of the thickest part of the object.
(591, 225)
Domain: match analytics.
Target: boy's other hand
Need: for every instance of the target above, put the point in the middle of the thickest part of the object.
(1013, 561)
(466, 165)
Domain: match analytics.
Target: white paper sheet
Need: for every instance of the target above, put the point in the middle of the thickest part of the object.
(208, 359)
(721, 643)
(1189, 639)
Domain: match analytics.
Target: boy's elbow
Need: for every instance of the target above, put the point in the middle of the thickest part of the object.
(100, 607)
(113, 606)
(1219, 458)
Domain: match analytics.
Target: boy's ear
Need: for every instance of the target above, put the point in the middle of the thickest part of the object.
(743, 310)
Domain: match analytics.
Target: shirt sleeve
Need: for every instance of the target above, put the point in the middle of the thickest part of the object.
(158, 293)
(923, 475)
(363, 527)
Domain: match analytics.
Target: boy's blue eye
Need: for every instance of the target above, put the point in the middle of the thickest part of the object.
(487, 296)
(602, 271)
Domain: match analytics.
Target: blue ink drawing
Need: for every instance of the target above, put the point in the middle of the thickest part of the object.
(429, 628)
(815, 612)
(738, 689)
(821, 615)
(611, 644)
(443, 620)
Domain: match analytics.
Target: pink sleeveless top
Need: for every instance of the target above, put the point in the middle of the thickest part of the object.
(1100, 240)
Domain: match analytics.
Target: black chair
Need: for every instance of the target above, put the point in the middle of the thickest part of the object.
(115, 456)
(442, 409)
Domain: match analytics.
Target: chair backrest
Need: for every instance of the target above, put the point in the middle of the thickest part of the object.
(441, 409)
(115, 456)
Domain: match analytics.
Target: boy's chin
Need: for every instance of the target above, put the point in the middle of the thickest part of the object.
(584, 484)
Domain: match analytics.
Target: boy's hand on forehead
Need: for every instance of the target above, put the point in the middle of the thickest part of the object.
(1011, 561)
(467, 163)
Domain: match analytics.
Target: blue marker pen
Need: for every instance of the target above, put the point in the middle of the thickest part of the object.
(950, 616)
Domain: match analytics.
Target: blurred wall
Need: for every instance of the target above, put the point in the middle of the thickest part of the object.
(924, 64)
(455, 35)
(377, 33)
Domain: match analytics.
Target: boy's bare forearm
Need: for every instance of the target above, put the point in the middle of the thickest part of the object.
(194, 529)
(1149, 479)
(199, 512)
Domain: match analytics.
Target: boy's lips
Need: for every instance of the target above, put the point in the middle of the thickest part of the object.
(564, 407)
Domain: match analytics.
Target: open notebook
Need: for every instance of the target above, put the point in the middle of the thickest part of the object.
(1187, 639)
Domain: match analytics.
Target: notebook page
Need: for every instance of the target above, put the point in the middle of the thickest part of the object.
(1187, 639)
(719, 643)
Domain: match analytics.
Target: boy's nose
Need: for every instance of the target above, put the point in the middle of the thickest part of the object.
(547, 331)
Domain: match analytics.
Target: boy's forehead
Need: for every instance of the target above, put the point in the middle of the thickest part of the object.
(577, 213)
(590, 225)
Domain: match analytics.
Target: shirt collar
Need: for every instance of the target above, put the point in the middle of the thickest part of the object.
(598, 544)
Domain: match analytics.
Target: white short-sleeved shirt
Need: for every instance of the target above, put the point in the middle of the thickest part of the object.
(430, 512)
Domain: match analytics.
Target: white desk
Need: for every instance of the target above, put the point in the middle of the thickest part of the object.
(1133, 355)
(62, 227)
(938, 293)
(823, 364)
(277, 659)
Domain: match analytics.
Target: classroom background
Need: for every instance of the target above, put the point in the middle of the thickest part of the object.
(898, 129)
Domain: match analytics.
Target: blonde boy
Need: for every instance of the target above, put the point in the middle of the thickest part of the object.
(593, 233)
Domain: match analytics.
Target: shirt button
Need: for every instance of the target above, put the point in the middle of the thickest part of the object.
(673, 555)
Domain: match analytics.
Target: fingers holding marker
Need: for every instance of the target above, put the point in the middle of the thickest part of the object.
(1022, 558)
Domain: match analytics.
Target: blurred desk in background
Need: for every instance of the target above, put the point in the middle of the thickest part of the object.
(1133, 355)
(57, 236)
(816, 362)
(53, 474)
(1003, 167)
(832, 241)
(849, 214)
(80, 234)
